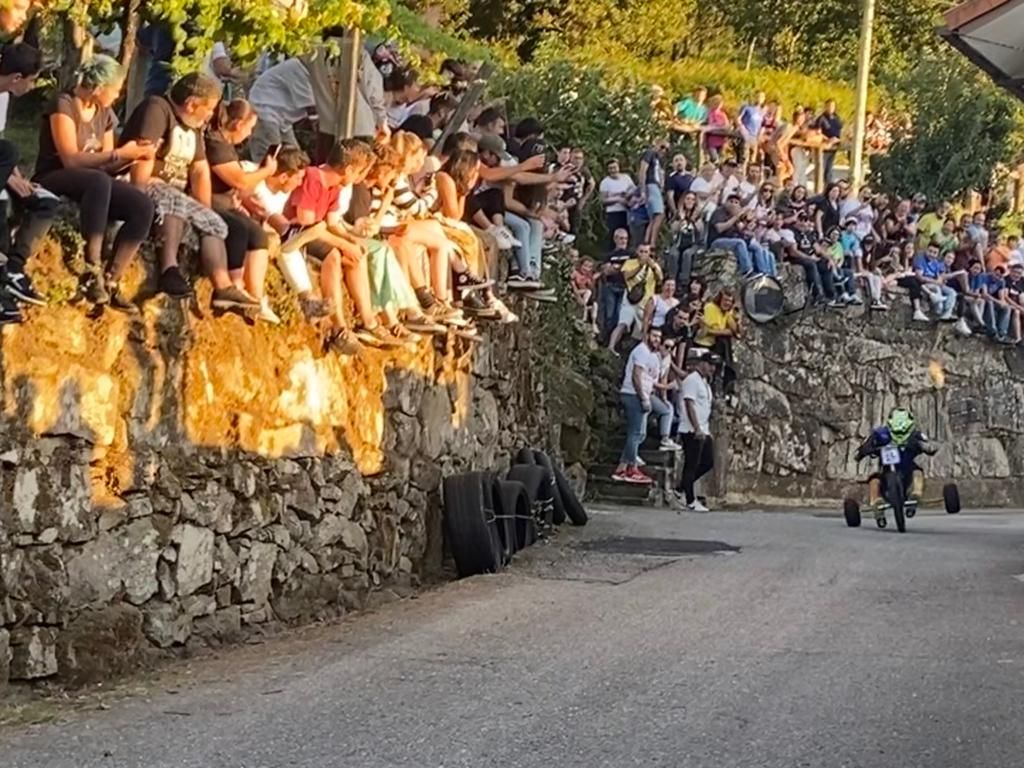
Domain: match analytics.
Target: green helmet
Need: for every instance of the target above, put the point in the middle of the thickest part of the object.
(901, 425)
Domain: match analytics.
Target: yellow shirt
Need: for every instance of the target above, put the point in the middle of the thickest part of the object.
(715, 319)
(653, 275)
(928, 226)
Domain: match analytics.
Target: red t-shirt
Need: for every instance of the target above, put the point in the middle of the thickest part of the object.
(313, 195)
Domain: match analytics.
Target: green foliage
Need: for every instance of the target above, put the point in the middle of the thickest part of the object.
(411, 27)
(252, 27)
(680, 78)
(607, 115)
(963, 127)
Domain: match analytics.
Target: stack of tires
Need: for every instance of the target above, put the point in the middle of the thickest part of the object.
(487, 518)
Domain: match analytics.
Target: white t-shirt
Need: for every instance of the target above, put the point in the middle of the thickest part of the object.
(706, 192)
(283, 95)
(662, 307)
(865, 216)
(217, 52)
(619, 186)
(695, 388)
(644, 357)
(272, 202)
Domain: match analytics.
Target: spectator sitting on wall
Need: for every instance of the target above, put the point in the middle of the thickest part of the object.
(267, 204)
(727, 227)
(174, 124)
(930, 270)
(33, 206)
(77, 160)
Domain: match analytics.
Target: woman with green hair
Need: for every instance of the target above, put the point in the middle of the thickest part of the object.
(77, 160)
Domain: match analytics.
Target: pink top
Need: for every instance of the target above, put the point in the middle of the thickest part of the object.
(717, 118)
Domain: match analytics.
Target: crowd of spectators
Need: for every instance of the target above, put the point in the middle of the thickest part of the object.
(753, 201)
(404, 227)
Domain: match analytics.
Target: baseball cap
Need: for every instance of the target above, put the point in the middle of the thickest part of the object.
(530, 148)
(493, 144)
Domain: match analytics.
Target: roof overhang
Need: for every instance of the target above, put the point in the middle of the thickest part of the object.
(990, 33)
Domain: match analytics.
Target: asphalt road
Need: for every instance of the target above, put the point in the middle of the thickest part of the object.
(814, 645)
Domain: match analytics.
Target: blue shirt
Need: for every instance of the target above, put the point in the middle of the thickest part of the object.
(752, 118)
(851, 243)
(978, 283)
(994, 283)
(932, 268)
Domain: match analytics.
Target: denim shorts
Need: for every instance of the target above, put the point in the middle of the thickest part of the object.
(655, 201)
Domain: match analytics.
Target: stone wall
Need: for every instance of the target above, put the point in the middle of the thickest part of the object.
(172, 480)
(813, 384)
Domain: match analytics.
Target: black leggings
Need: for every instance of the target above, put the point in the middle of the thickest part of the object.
(102, 199)
(244, 234)
(913, 286)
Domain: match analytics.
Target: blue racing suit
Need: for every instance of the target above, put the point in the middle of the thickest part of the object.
(917, 444)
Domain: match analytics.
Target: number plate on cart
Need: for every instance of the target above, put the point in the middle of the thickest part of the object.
(890, 456)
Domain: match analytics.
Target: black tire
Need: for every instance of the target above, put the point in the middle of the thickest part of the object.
(543, 460)
(506, 525)
(896, 496)
(470, 525)
(525, 456)
(851, 511)
(539, 488)
(951, 498)
(577, 514)
(514, 502)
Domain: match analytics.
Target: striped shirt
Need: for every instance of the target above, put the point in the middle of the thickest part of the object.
(405, 204)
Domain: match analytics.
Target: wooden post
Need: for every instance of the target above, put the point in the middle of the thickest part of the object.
(348, 82)
(819, 170)
(466, 104)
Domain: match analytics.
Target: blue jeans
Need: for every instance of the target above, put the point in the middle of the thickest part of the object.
(829, 162)
(944, 299)
(739, 250)
(665, 413)
(636, 429)
(997, 319)
(764, 260)
(529, 232)
(609, 301)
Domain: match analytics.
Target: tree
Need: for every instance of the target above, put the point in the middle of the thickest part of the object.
(963, 127)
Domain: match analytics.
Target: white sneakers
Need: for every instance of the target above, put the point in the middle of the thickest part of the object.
(697, 507)
(506, 240)
(962, 327)
(668, 444)
(919, 316)
(266, 314)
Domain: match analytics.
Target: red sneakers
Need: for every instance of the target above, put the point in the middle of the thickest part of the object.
(634, 475)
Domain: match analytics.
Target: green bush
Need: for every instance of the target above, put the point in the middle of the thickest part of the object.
(583, 106)
(681, 77)
(963, 127)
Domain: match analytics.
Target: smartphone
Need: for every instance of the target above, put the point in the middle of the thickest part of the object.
(273, 149)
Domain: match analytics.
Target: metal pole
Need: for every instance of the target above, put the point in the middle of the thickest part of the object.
(867, 25)
(348, 82)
